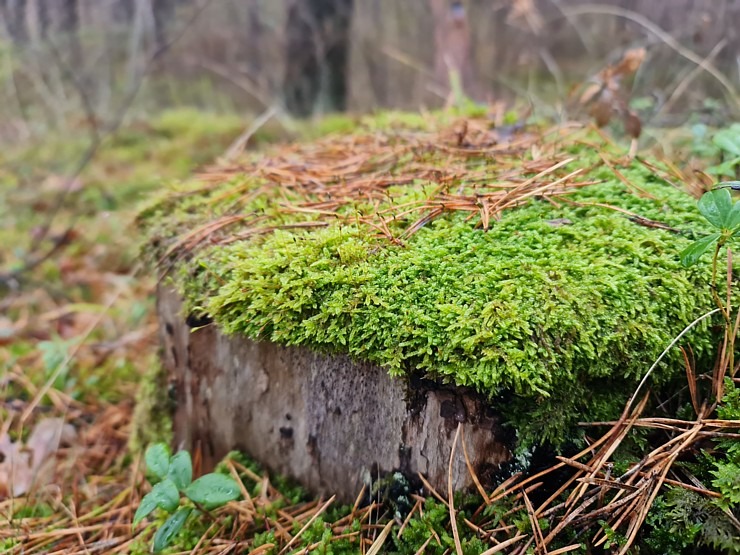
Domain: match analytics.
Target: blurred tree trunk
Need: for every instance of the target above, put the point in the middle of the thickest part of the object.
(42, 8)
(453, 52)
(163, 12)
(376, 62)
(317, 37)
(123, 11)
(255, 32)
(69, 20)
(14, 14)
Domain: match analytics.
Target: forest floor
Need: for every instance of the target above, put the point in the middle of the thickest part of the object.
(78, 332)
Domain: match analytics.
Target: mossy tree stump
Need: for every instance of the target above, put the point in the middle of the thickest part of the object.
(337, 308)
(328, 422)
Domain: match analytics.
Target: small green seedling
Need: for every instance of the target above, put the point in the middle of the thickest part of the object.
(172, 479)
(728, 142)
(724, 215)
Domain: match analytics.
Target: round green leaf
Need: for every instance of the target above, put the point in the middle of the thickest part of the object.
(181, 470)
(716, 207)
(733, 220)
(169, 529)
(213, 490)
(163, 495)
(691, 254)
(157, 458)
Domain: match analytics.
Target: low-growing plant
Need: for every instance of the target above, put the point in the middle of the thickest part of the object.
(723, 214)
(723, 145)
(175, 492)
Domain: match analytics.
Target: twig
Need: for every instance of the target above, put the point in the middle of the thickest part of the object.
(316, 515)
(693, 74)
(237, 147)
(641, 20)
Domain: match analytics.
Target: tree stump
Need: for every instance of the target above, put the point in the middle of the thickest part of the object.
(345, 308)
(328, 422)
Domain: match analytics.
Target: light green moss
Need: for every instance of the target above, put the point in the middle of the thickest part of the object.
(557, 311)
(152, 421)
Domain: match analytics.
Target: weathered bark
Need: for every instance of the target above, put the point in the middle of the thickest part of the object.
(328, 422)
(317, 34)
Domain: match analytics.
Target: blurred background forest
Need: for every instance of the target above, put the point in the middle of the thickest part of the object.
(103, 102)
(97, 58)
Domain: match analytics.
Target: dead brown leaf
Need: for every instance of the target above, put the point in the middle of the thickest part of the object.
(24, 466)
(605, 96)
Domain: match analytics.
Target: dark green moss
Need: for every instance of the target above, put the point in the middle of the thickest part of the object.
(556, 309)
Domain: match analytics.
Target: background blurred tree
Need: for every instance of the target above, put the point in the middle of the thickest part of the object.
(14, 16)
(452, 45)
(163, 12)
(317, 34)
(326, 55)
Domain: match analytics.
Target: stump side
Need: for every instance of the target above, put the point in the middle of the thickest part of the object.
(328, 422)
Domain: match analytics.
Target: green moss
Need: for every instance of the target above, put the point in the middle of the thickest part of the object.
(152, 421)
(556, 310)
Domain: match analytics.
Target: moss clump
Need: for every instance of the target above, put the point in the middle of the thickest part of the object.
(558, 309)
(152, 422)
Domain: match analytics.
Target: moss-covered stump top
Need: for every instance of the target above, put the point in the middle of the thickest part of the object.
(537, 266)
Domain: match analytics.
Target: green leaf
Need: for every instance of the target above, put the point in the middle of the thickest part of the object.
(181, 470)
(716, 206)
(169, 529)
(728, 140)
(734, 218)
(163, 495)
(157, 458)
(691, 254)
(725, 168)
(213, 490)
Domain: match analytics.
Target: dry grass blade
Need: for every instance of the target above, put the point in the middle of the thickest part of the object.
(451, 493)
(416, 507)
(665, 352)
(504, 545)
(566, 549)
(539, 540)
(380, 540)
(423, 547)
(472, 472)
(316, 515)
